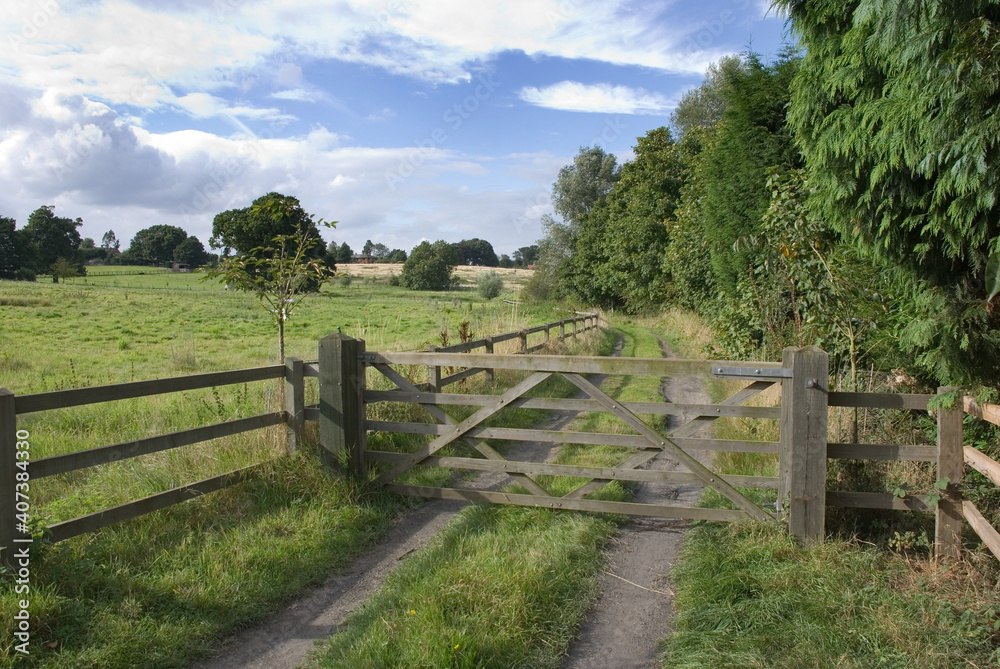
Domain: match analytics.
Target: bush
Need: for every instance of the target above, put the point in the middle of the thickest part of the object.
(345, 280)
(489, 284)
(429, 267)
(393, 280)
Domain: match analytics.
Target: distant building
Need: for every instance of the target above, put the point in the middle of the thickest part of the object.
(180, 267)
(362, 259)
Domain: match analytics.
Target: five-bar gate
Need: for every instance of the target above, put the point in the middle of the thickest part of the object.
(801, 448)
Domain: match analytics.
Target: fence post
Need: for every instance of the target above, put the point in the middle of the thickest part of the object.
(562, 329)
(546, 334)
(950, 465)
(295, 403)
(803, 440)
(434, 374)
(341, 402)
(489, 349)
(523, 337)
(8, 451)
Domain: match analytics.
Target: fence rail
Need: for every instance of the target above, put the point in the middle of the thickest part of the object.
(11, 405)
(294, 416)
(437, 381)
(986, 466)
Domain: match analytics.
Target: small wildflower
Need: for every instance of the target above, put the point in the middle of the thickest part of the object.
(412, 612)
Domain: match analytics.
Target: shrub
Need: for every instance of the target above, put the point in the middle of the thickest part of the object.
(489, 284)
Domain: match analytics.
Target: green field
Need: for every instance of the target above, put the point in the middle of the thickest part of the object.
(162, 589)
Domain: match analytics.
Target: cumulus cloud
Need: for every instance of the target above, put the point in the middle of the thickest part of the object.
(599, 98)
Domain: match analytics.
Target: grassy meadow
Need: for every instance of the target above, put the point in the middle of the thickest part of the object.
(162, 589)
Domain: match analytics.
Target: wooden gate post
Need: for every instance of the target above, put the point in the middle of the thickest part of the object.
(803, 440)
(562, 329)
(295, 403)
(341, 402)
(522, 336)
(950, 465)
(489, 349)
(434, 373)
(8, 481)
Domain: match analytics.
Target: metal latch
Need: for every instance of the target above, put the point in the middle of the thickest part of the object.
(765, 373)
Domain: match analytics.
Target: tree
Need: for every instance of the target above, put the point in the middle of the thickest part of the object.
(279, 272)
(367, 249)
(397, 255)
(477, 252)
(345, 254)
(622, 240)
(64, 269)
(505, 260)
(252, 231)
(489, 284)
(53, 237)
(702, 107)
(429, 266)
(577, 189)
(87, 243)
(11, 248)
(526, 255)
(156, 244)
(191, 252)
(585, 182)
(110, 244)
(244, 230)
(895, 113)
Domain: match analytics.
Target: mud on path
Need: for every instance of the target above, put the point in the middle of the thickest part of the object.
(621, 631)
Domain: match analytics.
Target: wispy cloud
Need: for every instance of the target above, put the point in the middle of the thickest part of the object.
(597, 98)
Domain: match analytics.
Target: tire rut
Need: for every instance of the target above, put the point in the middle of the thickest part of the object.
(632, 614)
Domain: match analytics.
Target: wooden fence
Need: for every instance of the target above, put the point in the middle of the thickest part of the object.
(803, 448)
(294, 415)
(437, 382)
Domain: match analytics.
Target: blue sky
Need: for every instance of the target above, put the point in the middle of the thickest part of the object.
(401, 120)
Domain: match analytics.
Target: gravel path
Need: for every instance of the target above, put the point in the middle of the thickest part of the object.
(632, 614)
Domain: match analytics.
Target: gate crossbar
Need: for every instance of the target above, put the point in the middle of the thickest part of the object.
(463, 427)
(664, 443)
(485, 449)
(684, 430)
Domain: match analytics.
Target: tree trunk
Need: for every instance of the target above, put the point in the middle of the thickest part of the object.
(281, 339)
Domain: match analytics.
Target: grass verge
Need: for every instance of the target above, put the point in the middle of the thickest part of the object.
(748, 596)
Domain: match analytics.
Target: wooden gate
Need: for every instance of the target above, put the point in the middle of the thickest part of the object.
(344, 423)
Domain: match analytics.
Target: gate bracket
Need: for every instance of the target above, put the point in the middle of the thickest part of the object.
(763, 373)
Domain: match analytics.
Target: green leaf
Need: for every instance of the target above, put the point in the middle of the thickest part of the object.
(942, 484)
(993, 276)
(933, 499)
(900, 492)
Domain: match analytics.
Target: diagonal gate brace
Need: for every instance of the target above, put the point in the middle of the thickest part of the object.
(441, 415)
(684, 430)
(662, 442)
(472, 421)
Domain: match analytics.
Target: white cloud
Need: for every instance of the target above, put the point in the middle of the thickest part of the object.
(599, 98)
(297, 94)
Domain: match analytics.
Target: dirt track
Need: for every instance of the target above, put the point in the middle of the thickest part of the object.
(622, 630)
